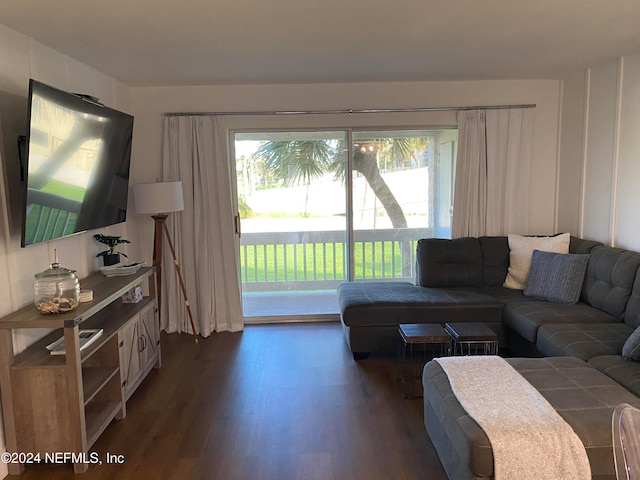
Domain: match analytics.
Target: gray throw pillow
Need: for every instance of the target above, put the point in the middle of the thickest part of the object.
(556, 277)
(631, 348)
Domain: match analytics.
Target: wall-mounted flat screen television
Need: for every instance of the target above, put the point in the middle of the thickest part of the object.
(77, 165)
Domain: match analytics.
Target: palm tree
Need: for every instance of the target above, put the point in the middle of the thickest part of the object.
(296, 161)
(365, 161)
(299, 161)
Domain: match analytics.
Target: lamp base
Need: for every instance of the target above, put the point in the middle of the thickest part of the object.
(160, 227)
(157, 255)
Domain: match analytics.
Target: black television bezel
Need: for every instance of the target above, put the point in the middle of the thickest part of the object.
(83, 104)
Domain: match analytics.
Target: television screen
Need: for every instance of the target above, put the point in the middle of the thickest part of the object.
(77, 165)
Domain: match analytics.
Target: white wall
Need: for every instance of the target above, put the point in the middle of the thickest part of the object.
(22, 58)
(602, 201)
(149, 104)
(627, 224)
(600, 165)
(571, 153)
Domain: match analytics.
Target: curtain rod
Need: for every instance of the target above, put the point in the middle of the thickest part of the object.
(352, 111)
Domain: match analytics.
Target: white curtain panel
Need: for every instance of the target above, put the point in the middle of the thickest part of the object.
(492, 172)
(470, 190)
(195, 152)
(508, 163)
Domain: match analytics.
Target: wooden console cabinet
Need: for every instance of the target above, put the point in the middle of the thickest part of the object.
(63, 403)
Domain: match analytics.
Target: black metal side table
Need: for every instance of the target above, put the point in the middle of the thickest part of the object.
(422, 342)
(472, 339)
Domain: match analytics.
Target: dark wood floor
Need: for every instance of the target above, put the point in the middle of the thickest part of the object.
(273, 402)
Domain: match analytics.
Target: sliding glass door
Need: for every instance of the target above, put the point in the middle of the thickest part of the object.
(402, 191)
(320, 208)
(292, 206)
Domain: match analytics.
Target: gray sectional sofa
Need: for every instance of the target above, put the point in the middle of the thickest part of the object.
(571, 353)
(457, 280)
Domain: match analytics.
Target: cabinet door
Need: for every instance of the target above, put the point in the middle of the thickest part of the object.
(130, 346)
(150, 335)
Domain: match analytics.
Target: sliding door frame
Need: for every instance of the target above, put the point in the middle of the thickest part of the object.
(349, 230)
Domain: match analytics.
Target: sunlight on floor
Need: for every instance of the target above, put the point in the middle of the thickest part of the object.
(266, 304)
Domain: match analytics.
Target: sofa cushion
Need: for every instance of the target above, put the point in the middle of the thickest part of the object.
(449, 263)
(632, 312)
(631, 347)
(495, 260)
(526, 317)
(584, 398)
(609, 279)
(582, 340)
(495, 257)
(625, 372)
(520, 252)
(505, 295)
(556, 277)
(580, 245)
(393, 303)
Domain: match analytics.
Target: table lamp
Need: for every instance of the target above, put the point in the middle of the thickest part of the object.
(159, 199)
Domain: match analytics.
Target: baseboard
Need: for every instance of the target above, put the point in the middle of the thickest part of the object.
(292, 319)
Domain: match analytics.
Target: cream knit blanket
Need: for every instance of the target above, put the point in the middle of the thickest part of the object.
(529, 439)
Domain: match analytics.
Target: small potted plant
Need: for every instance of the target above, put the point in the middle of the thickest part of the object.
(110, 257)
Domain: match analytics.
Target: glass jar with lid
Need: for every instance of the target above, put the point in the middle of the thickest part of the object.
(56, 290)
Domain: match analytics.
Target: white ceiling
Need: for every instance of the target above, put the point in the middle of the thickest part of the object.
(206, 42)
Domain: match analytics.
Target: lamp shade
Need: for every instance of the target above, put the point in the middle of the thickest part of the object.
(158, 197)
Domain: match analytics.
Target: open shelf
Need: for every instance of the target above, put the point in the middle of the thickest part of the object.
(99, 412)
(110, 319)
(94, 378)
(65, 402)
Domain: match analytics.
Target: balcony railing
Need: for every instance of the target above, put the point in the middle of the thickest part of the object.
(314, 260)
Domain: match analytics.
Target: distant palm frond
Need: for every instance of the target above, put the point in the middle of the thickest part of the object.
(296, 161)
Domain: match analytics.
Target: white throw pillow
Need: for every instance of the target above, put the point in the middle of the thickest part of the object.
(520, 253)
